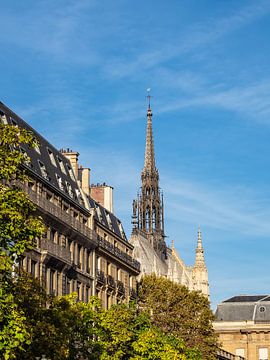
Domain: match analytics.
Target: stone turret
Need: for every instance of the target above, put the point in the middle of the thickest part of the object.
(199, 271)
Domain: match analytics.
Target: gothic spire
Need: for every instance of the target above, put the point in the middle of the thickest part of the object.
(148, 212)
(149, 157)
(199, 262)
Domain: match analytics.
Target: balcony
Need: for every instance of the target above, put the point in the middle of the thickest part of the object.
(110, 282)
(55, 250)
(106, 245)
(120, 287)
(59, 213)
(101, 278)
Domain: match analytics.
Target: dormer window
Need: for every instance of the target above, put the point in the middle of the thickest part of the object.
(60, 182)
(121, 230)
(13, 122)
(62, 167)
(26, 157)
(71, 173)
(109, 220)
(99, 213)
(69, 190)
(51, 156)
(78, 195)
(36, 147)
(3, 118)
(43, 170)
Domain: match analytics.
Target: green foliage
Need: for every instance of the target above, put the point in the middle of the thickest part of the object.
(155, 345)
(120, 327)
(63, 329)
(19, 227)
(176, 310)
(13, 331)
(11, 157)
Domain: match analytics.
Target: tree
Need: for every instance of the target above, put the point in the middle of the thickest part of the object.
(19, 227)
(176, 310)
(155, 345)
(64, 329)
(120, 326)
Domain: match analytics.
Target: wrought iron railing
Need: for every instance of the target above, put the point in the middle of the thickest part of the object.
(111, 282)
(101, 277)
(105, 244)
(120, 287)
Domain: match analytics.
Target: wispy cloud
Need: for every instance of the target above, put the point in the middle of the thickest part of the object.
(236, 209)
(251, 100)
(195, 37)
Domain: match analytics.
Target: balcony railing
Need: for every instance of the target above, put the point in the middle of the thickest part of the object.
(55, 250)
(111, 282)
(55, 210)
(120, 287)
(225, 355)
(104, 244)
(101, 277)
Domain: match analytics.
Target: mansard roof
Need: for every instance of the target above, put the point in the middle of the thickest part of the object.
(245, 308)
(47, 163)
(107, 219)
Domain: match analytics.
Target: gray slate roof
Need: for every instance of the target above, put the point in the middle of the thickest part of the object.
(57, 166)
(245, 308)
(47, 163)
(107, 219)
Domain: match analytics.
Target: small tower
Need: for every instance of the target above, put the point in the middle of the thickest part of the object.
(199, 272)
(148, 213)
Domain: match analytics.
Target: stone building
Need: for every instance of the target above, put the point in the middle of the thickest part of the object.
(148, 234)
(243, 325)
(84, 249)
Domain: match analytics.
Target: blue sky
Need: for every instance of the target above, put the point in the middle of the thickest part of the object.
(78, 71)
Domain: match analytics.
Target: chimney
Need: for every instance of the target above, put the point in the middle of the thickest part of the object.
(84, 177)
(72, 156)
(103, 194)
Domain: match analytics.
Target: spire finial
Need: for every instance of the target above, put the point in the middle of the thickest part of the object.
(149, 98)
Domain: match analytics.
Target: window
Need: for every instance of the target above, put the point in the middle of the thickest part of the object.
(99, 214)
(121, 230)
(78, 195)
(60, 182)
(109, 221)
(3, 118)
(263, 354)
(43, 170)
(71, 173)
(33, 268)
(61, 165)
(13, 122)
(69, 190)
(240, 352)
(51, 156)
(36, 146)
(26, 157)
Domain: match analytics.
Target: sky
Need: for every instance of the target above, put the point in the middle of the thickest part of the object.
(78, 70)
